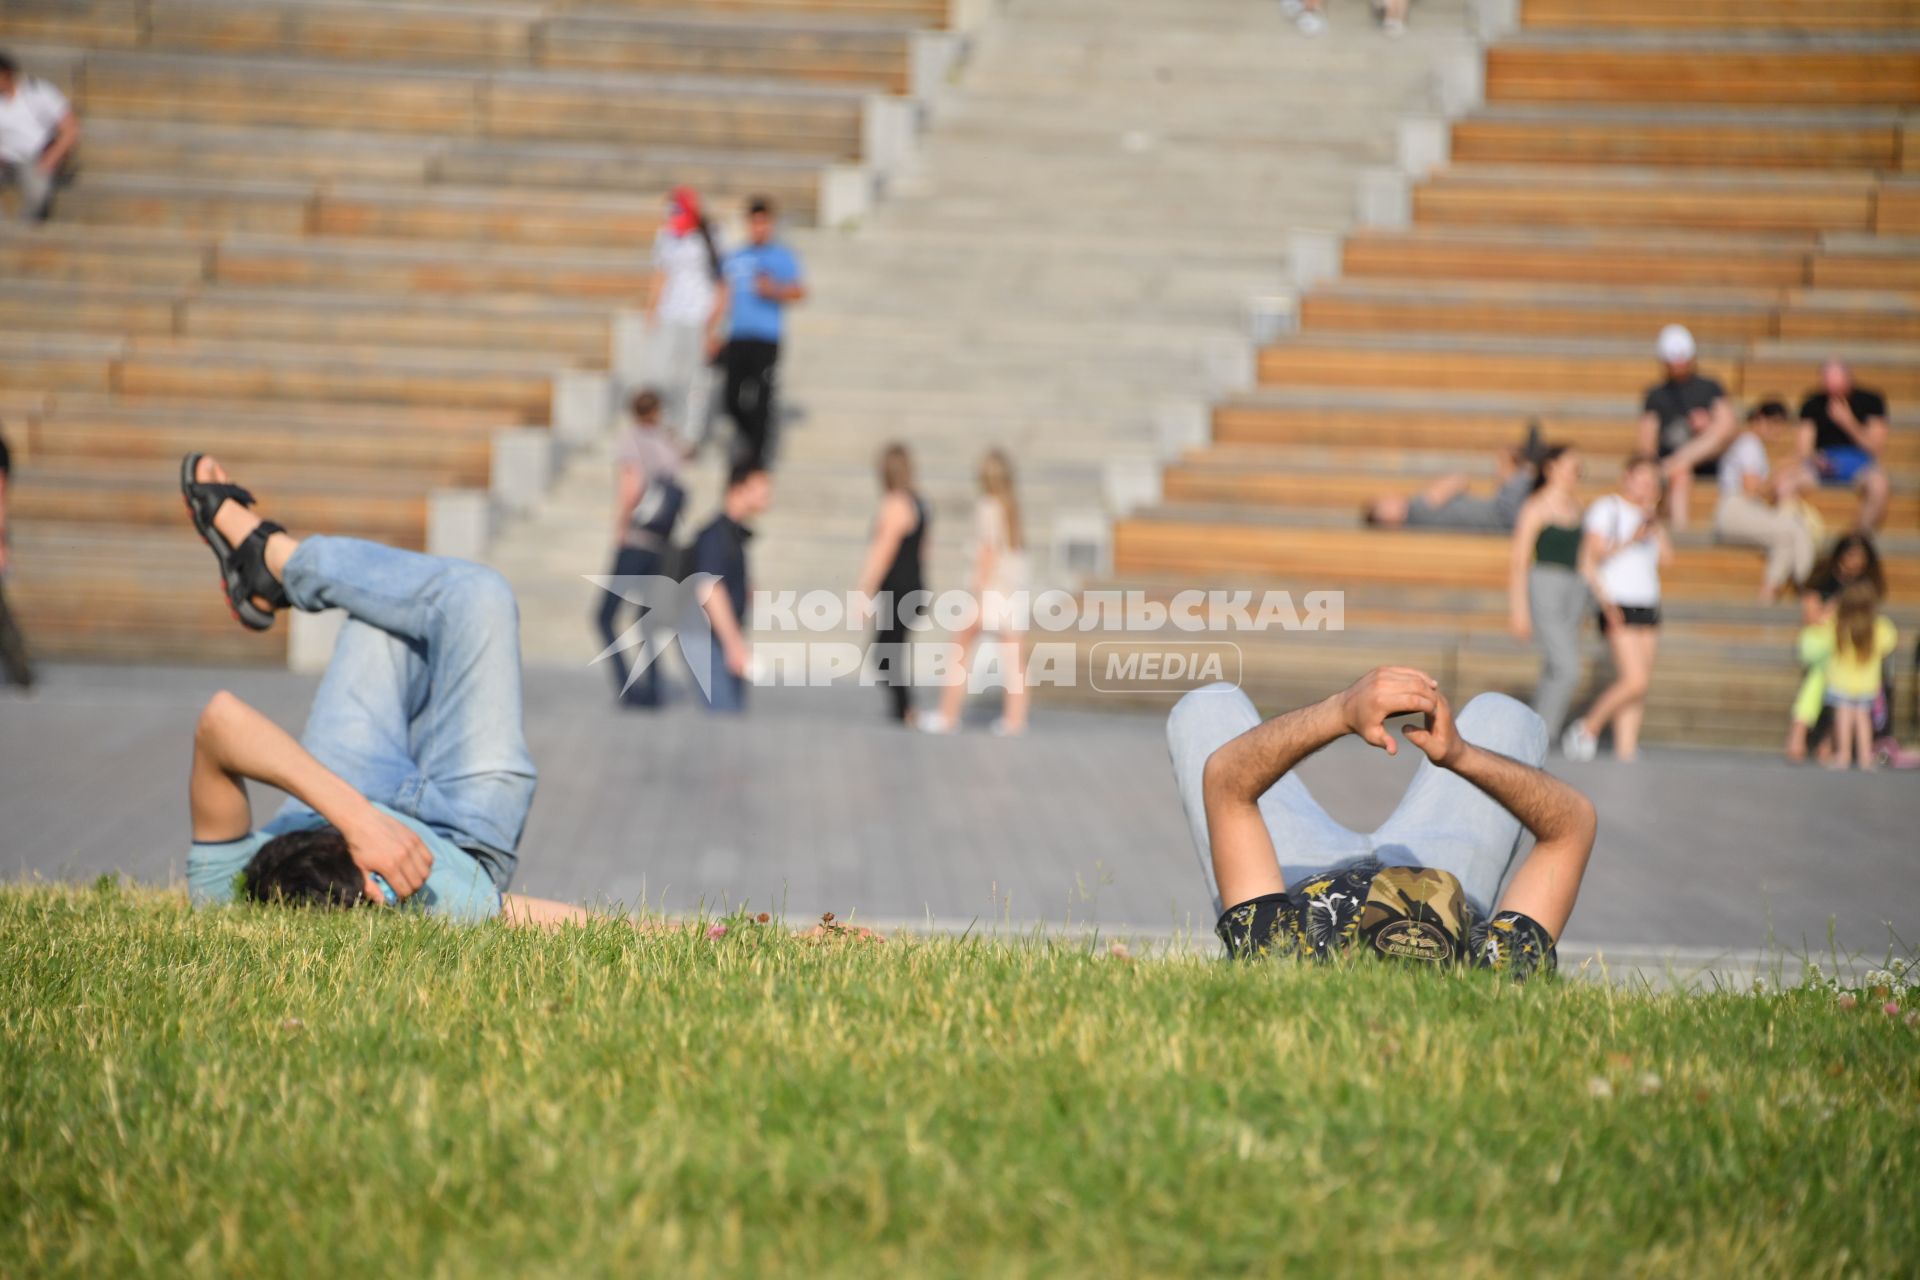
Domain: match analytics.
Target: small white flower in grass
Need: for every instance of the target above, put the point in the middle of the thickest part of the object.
(1649, 1082)
(716, 931)
(291, 1024)
(1599, 1087)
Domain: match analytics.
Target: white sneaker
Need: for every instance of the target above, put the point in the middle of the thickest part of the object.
(1001, 729)
(1310, 23)
(1577, 744)
(1292, 9)
(933, 722)
(1393, 27)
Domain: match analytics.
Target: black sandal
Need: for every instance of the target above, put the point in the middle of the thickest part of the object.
(243, 569)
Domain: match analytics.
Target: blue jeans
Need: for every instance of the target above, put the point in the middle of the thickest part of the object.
(1443, 821)
(420, 708)
(629, 562)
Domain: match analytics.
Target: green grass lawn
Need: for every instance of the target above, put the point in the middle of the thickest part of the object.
(268, 1092)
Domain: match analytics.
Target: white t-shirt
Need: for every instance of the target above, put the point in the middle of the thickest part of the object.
(1746, 456)
(28, 119)
(1631, 575)
(687, 295)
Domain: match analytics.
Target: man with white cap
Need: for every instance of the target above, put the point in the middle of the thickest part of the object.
(1686, 421)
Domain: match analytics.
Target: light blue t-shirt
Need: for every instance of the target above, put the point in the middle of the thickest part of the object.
(457, 888)
(749, 314)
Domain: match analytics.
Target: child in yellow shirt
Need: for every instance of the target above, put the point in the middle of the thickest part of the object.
(1849, 650)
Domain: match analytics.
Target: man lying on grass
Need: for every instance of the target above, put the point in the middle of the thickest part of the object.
(412, 780)
(1418, 888)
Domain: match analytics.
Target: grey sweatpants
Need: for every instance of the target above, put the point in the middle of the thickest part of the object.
(34, 184)
(1559, 601)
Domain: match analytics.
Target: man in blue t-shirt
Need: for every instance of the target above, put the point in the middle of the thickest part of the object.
(411, 782)
(762, 280)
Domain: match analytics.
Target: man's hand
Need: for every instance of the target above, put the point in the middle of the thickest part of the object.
(767, 287)
(1520, 626)
(1437, 736)
(1384, 692)
(1841, 412)
(391, 848)
(738, 659)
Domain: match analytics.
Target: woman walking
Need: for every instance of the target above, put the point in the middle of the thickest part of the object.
(1547, 600)
(647, 504)
(895, 572)
(1621, 553)
(1000, 586)
(686, 298)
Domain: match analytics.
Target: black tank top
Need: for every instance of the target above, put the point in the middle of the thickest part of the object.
(905, 574)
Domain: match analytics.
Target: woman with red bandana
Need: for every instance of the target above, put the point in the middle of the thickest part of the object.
(685, 303)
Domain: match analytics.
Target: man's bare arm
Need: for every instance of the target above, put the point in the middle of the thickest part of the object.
(234, 743)
(726, 626)
(1245, 863)
(1563, 824)
(65, 134)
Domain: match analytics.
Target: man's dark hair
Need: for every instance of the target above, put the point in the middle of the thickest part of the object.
(645, 403)
(8, 67)
(761, 205)
(745, 470)
(1772, 408)
(306, 869)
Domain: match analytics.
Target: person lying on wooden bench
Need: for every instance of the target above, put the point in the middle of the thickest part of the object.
(1289, 880)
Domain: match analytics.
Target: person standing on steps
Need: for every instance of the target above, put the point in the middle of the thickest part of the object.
(894, 571)
(1547, 599)
(647, 504)
(1621, 554)
(763, 279)
(13, 647)
(1000, 583)
(686, 304)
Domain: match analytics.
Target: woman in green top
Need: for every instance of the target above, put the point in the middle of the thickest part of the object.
(1546, 598)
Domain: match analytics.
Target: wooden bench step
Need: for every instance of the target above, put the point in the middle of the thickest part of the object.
(122, 147)
(1237, 478)
(1583, 257)
(1505, 308)
(1603, 198)
(1210, 549)
(517, 106)
(1588, 135)
(1559, 367)
(1426, 421)
(1868, 72)
(1712, 16)
(219, 205)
